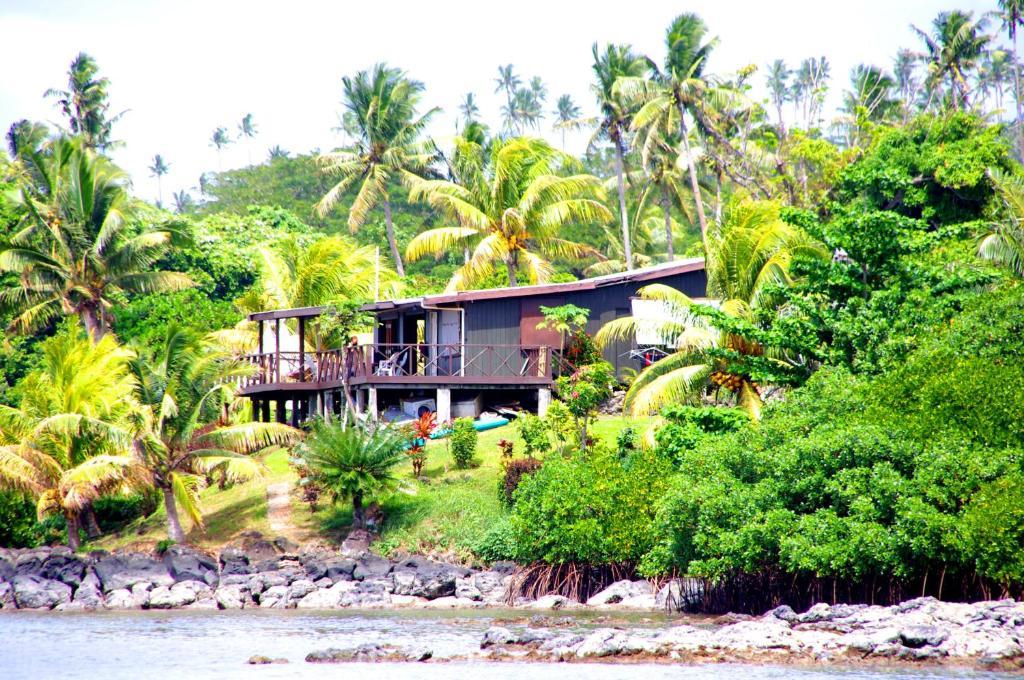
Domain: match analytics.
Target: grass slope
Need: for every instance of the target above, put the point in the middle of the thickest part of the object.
(445, 516)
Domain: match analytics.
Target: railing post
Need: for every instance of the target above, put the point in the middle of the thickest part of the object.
(277, 350)
(548, 361)
(302, 349)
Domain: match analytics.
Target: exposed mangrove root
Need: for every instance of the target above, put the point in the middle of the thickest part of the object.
(572, 580)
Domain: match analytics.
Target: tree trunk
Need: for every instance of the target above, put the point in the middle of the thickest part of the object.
(74, 542)
(88, 519)
(667, 209)
(174, 531)
(512, 265)
(399, 267)
(358, 518)
(94, 325)
(694, 184)
(627, 248)
(1016, 96)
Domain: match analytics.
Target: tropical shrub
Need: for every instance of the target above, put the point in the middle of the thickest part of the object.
(583, 391)
(463, 442)
(513, 472)
(419, 434)
(533, 430)
(560, 424)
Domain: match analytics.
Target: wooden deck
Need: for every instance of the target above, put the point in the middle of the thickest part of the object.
(384, 365)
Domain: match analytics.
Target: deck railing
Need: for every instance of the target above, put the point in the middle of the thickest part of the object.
(389, 362)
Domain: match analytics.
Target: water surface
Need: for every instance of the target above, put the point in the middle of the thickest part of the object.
(206, 645)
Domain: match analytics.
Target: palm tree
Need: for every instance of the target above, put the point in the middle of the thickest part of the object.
(67, 444)
(182, 201)
(220, 139)
(185, 387)
(1004, 244)
(354, 462)
(907, 82)
(677, 88)
(778, 89)
(614, 63)
(79, 245)
(24, 136)
(469, 108)
(1012, 17)
(810, 87)
(538, 89)
(513, 206)
(158, 170)
(276, 152)
(247, 131)
(566, 115)
(508, 82)
(993, 75)
(953, 51)
(85, 103)
(871, 96)
(387, 147)
(748, 260)
(665, 181)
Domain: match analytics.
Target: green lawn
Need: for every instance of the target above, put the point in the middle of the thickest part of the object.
(444, 516)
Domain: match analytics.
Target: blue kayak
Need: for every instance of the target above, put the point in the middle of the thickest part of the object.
(478, 425)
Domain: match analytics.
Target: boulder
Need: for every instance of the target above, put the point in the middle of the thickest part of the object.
(275, 597)
(679, 594)
(784, 613)
(356, 543)
(140, 594)
(619, 591)
(366, 652)
(119, 599)
(124, 571)
(340, 569)
(7, 570)
(33, 592)
(553, 602)
(603, 642)
(299, 589)
(234, 562)
(232, 597)
(6, 596)
(497, 635)
(465, 588)
(260, 660)
(186, 564)
(63, 566)
(493, 586)
(89, 595)
(916, 637)
(179, 595)
(257, 548)
(371, 566)
(315, 569)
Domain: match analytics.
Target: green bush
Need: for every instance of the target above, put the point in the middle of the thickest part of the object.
(590, 508)
(559, 423)
(512, 474)
(463, 442)
(498, 543)
(533, 430)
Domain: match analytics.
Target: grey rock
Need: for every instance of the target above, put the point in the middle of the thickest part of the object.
(33, 592)
(553, 602)
(497, 635)
(236, 580)
(185, 564)
(234, 562)
(340, 569)
(7, 596)
(140, 594)
(323, 583)
(260, 660)
(619, 591)
(89, 595)
(371, 566)
(466, 588)
(232, 597)
(119, 599)
(65, 567)
(784, 613)
(7, 569)
(315, 569)
(418, 654)
(326, 598)
(492, 585)
(299, 589)
(123, 571)
(503, 567)
(916, 637)
(275, 597)
(430, 582)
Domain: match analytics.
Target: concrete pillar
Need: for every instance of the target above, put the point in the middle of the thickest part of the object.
(255, 403)
(371, 403)
(265, 407)
(543, 401)
(444, 404)
(281, 416)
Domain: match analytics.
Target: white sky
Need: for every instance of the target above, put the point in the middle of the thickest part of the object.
(183, 68)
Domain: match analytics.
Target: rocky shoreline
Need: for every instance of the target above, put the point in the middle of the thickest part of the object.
(277, 575)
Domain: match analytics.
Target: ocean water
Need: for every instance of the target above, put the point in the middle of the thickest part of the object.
(203, 645)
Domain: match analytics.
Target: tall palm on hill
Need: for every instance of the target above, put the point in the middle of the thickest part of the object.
(777, 80)
(748, 260)
(1011, 15)
(247, 132)
(566, 115)
(387, 147)
(85, 103)
(469, 108)
(908, 84)
(616, 113)
(810, 87)
(79, 245)
(676, 88)
(994, 75)
(182, 201)
(220, 140)
(664, 181)
(508, 82)
(67, 442)
(25, 136)
(184, 388)
(514, 207)
(158, 169)
(952, 53)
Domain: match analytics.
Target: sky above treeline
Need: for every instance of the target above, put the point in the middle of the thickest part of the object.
(181, 69)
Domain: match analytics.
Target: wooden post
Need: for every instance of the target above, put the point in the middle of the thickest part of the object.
(259, 335)
(295, 412)
(265, 404)
(277, 350)
(255, 410)
(302, 349)
(280, 415)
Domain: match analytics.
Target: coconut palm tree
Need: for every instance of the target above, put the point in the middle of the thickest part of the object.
(354, 462)
(810, 87)
(1011, 15)
(247, 132)
(276, 152)
(182, 201)
(85, 103)
(185, 388)
(777, 80)
(566, 115)
(677, 88)
(508, 82)
(67, 443)
(387, 147)
(952, 52)
(158, 170)
(528, 110)
(1004, 244)
(514, 207)
(79, 245)
(748, 260)
(871, 97)
(616, 114)
(219, 140)
(993, 76)
(664, 181)
(907, 82)
(469, 108)
(25, 136)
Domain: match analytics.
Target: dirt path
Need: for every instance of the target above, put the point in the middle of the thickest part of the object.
(279, 511)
